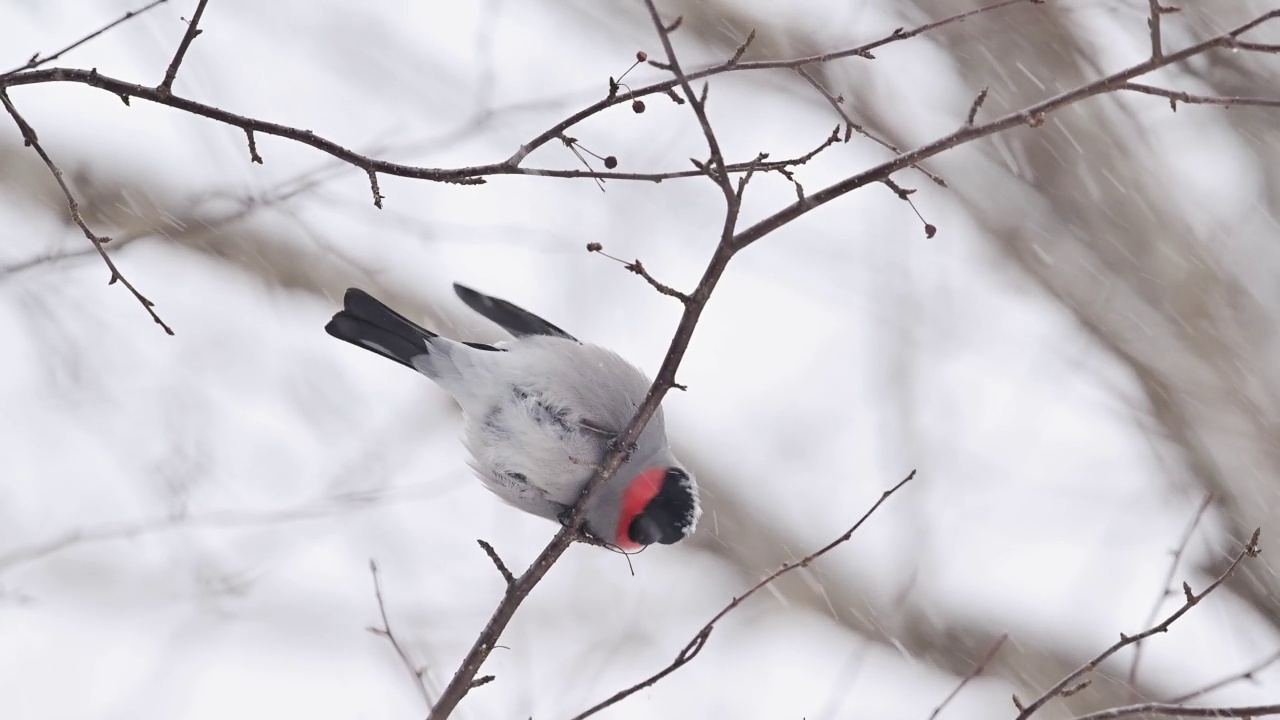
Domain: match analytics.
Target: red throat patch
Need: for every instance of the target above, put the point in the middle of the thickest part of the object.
(643, 487)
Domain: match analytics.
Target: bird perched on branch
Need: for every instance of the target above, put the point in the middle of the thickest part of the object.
(541, 411)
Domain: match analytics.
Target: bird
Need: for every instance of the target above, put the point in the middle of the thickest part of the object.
(540, 413)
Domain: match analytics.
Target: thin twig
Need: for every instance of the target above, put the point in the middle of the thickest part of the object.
(637, 267)
(497, 562)
(975, 672)
(511, 166)
(694, 646)
(29, 138)
(696, 102)
(166, 86)
(1153, 24)
(1246, 674)
(1192, 599)
(385, 631)
(1177, 96)
(37, 60)
(1250, 711)
(1031, 116)
(851, 126)
(1166, 588)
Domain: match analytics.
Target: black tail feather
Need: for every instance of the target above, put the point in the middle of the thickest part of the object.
(367, 323)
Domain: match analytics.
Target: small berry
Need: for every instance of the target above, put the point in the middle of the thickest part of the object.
(611, 162)
(638, 106)
(642, 56)
(594, 247)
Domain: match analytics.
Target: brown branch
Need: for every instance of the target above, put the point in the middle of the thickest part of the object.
(36, 59)
(497, 562)
(1153, 24)
(1246, 674)
(975, 672)
(696, 102)
(30, 140)
(694, 646)
(1183, 711)
(1032, 116)
(463, 678)
(1177, 96)
(385, 631)
(1192, 599)
(851, 126)
(1166, 586)
(166, 86)
(511, 166)
(637, 267)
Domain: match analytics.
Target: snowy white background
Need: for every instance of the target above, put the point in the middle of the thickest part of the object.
(1086, 347)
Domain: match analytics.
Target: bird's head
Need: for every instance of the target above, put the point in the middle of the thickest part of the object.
(649, 500)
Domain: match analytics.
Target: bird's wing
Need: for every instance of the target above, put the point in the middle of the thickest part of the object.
(510, 317)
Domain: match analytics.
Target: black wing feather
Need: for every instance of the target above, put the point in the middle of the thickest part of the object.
(510, 317)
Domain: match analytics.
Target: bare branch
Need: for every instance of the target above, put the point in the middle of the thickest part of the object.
(166, 86)
(1183, 711)
(1246, 674)
(977, 670)
(852, 126)
(1165, 589)
(694, 646)
(497, 562)
(1249, 550)
(697, 103)
(1032, 115)
(385, 631)
(1176, 96)
(37, 60)
(30, 140)
(253, 147)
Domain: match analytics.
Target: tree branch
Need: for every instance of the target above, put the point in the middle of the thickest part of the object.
(36, 59)
(1165, 588)
(699, 640)
(385, 631)
(975, 672)
(1032, 115)
(1183, 711)
(1192, 599)
(30, 140)
(166, 86)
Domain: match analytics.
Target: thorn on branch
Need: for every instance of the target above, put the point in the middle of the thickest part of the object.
(660, 65)
(483, 680)
(497, 562)
(702, 97)
(1186, 592)
(1018, 704)
(742, 49)
(1068, 692)
(675, 96)
(977, 104)
(253, 148)
(373, 183)
(124, 98)
(675, 25)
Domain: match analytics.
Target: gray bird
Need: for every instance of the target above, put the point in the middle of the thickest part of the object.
(540, 413)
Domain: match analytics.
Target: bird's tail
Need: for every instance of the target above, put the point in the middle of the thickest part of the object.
(369, 324)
